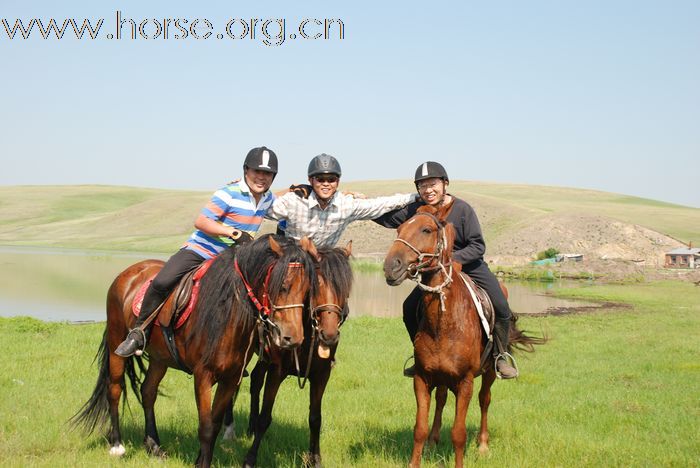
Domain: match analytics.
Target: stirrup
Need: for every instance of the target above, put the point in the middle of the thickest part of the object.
(139, 351)
(406, 362)
(510, 360)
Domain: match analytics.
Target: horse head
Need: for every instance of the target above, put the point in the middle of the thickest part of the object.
(287, 285)
(423, 245)
(330, 294)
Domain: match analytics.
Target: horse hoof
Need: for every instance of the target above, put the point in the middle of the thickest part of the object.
(153, 448)
(483, 449)
(117, 450)
(229, 433)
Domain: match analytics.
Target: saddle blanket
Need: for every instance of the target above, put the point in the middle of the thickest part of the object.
(184, 314)
(483, 304)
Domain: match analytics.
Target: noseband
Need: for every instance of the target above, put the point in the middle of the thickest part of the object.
(421, 266)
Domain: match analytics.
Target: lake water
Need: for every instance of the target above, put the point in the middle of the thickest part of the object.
(71, 285)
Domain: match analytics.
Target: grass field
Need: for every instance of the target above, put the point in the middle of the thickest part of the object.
(138, 219)
(614, 388)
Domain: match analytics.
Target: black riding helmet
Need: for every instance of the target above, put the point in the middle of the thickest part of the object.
(324, 164)
(428, 170)
(261, 159)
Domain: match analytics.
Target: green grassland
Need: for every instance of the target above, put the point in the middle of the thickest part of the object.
(138, 219)
(614, 388)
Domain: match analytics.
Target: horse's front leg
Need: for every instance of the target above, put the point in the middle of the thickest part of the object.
(149, 393)
(440, 400)
(257, 379)
(274, 379)
(487, 380)
(463, 395)
(318, 388)
(202, 388)
(420, 431)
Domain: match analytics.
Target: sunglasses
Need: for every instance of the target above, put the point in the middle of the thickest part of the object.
(324, 179)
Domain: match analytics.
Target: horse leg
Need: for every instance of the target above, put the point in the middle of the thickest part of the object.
(420, 431)
(272, 384)
(114, 392)
(202, 390)
(229, 430)
(459, 429)
(487, 380)
(318, 387)
(440, 400)
(226, 391)
(149, 393)
(257, 379)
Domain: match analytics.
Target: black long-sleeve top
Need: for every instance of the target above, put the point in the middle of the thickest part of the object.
(469, 246)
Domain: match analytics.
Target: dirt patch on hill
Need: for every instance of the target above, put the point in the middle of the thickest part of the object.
(612, 250)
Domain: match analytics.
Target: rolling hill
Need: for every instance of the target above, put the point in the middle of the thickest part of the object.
(518, 220)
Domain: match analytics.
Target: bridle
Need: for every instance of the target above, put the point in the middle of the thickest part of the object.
(266, 306)
(265, 325)
(420, 266)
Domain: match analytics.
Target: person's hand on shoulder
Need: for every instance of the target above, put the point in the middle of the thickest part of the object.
(301, 190)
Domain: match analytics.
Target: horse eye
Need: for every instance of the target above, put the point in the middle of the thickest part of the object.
(427, 230)
(284, 289)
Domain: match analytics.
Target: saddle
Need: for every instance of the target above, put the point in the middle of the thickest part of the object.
(487, 315)
(185, 298)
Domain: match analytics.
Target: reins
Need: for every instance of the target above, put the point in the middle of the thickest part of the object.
(416, 269)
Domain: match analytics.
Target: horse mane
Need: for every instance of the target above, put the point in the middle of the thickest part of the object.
(224, 303)
(335, 269)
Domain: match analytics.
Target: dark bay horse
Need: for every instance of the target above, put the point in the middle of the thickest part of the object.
(450, 339)
(215, 342)
(313, 360)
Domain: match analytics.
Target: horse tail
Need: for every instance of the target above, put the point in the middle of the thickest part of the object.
(522, 341)
(95, 411)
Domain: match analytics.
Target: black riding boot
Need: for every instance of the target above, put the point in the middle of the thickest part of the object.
(138, 336)
(501, 333)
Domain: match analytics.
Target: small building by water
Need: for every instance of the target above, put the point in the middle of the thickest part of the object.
(683, 257)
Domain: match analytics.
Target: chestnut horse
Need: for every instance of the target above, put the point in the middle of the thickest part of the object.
(313, 360)
(450, 341)
(215, 342)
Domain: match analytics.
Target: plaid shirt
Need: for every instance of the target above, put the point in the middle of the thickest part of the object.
(305, 217)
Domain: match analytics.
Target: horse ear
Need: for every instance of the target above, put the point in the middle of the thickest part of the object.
(307, 245)
(275, 246)
(348, 249)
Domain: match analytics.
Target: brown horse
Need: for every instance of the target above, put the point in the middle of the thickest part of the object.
(313, 360)
(215, 342)
(450, 341)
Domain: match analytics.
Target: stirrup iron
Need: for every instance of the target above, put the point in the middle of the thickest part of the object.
(509, 359)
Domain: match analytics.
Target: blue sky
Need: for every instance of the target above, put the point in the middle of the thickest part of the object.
(597, 94)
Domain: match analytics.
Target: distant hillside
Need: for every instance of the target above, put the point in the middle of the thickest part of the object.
(518, 220)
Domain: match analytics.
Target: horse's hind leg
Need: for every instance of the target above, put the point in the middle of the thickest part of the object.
(272, 384)
(149, 393)
(257, 379)
(484, 401)
(114, 392)
(229, 429)
(440, 399)
(318, 387)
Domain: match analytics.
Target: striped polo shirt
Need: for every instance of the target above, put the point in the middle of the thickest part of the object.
(234, 206)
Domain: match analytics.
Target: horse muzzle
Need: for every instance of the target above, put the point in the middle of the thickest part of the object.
(395, 271)
(284, 338)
